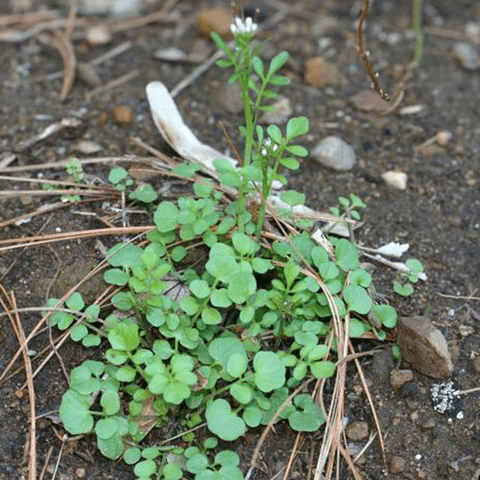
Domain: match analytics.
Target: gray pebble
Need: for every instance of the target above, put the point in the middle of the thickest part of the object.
(467, 55)
(334, 153)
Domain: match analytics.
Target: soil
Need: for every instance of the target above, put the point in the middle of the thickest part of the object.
(438, 214)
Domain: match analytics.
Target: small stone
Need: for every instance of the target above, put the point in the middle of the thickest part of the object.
(218, 20)
(99, 35)
(80, 472)
(444, 137)
(282, 112)
(319, 73)
(429, 424)
(357, 431)
(368, 101)
(334, 153)
(87, 147)
(397, 180)
(126, 8)
(424, 347)
(396, 464)
(467, 56)
(399, 377)
(122, 114)
(229, 97)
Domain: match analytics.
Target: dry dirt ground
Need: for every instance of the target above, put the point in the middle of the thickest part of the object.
(438, 214)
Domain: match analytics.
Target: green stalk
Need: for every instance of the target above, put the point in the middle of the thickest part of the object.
(417, 27)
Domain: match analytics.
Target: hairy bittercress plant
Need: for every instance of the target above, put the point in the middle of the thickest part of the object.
(227, 344)
(262, 154)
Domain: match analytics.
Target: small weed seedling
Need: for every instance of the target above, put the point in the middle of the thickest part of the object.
(74, 168)
(249, 329)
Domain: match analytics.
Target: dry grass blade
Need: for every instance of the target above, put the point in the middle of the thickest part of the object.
(18, 329)
(28, 17)
(60, 237)
(372, 406)
(114, 83)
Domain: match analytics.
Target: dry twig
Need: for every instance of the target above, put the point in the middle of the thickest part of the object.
(365, 54)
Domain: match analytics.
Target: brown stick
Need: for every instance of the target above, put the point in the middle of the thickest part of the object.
(365, 54)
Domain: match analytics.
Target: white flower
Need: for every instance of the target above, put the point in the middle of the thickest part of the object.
(240, 26)
(264, 152)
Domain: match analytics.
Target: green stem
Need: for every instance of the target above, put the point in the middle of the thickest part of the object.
(417, 27)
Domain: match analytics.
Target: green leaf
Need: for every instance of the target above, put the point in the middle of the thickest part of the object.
(357, 201)
(346, 254)
(200, 288)
(219, 298)
(236, 365)
(187, 169)
(117, 174)
(261, 265)
(227, 458)
(290, 163)
(293, 198)
(403, 289)
(171, 471)
(357, 328)
(242, 393)
(197, 463)
(166, 217)
(75, 414)
(145, 469)
(322, 369)
(132, 455)
(277, 62)
(75, 302)
(275, 133)
(385, 314)
(269, 371)
(220, 43)
(221, 263)
(252, 416)
(279, 80)
(244, 244)
(357, 299)
(328, 271)
(414, 265)
(221, 349)
(110, 402)
(124, 337)
(211, 316)
(223, 422)
(291, 271)
(297, 150)
(309, 419)
(126, 374)
(360, 277)
(125, 255)
(116, 276)
(240, 286)
(258, 67)
(145, 194)
(78, 332)
(296, 127)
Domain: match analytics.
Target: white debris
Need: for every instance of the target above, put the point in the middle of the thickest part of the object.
(393, 249)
